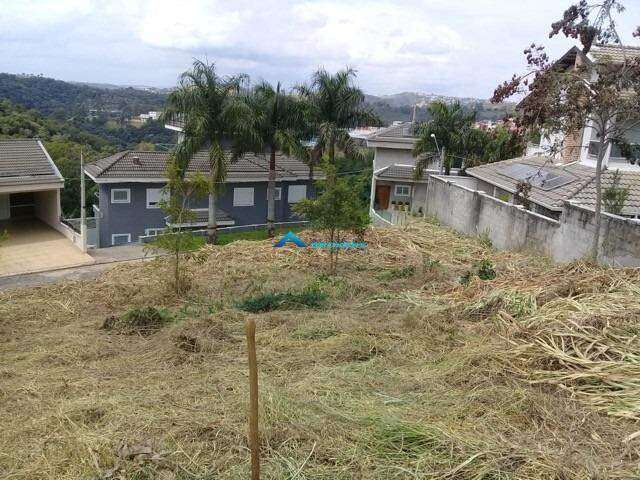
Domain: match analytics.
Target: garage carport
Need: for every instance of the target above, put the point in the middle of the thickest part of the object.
(30, 212)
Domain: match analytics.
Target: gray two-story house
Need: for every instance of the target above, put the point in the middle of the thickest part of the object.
(131, 189)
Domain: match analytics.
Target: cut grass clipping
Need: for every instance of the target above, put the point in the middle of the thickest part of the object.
(310, 297)
(142, 321)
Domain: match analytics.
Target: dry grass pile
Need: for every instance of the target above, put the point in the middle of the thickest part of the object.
(400, 372)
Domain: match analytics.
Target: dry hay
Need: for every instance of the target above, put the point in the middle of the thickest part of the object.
(532, 375)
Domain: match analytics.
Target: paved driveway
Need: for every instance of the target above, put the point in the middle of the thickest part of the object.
(34, 246)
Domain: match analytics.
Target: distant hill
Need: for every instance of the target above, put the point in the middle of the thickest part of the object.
(66, 99)
(400, 106)
(103, 111)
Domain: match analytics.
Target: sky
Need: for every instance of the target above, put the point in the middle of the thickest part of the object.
(447, 47)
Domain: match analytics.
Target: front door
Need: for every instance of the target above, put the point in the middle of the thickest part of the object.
(383, 192)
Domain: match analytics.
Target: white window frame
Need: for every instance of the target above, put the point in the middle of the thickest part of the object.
(114, 235)
(114, 190)
(302, 196)
(162, 195)
(238, 201)
(154, 231)
(396, 192)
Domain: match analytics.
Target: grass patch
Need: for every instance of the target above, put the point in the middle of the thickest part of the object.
(142, 321)
(310, 297)
(224, 238)
(396, 272)
(314, 332)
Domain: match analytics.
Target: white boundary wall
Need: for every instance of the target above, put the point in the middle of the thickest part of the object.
(511, 227)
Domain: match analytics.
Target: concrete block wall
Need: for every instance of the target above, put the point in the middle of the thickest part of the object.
(511, 227)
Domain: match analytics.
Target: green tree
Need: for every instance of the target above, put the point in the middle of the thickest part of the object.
(279, 123)
(180, 194)
(334, 106)
(614, 196)
(210, 108)
(336, 211)
(451, 126)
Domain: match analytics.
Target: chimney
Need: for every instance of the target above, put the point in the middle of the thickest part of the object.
(136, 161)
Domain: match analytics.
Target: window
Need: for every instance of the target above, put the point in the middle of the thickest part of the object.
(120, 238)
(155, 196)
(278, 195)
(153, 232)
(120, 195)
(402, 190)
(297, 193)
(243, 197)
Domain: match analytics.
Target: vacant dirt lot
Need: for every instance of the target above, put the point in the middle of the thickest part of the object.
(412, 366)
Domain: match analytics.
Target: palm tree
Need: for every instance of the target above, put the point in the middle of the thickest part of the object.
(451, 126)
(278, 121)
(211, 111)
(335, 106)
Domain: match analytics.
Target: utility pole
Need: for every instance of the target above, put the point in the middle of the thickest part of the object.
(442, 161)
(83, 206)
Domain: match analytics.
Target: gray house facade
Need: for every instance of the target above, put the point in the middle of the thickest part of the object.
(131, 187)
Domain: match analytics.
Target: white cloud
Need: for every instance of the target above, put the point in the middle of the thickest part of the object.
(445, 46)
(20, 16)
(189, 25)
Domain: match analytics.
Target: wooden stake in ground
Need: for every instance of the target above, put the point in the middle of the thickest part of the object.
(254, 443)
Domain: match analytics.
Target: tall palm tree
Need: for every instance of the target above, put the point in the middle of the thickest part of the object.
(278, 121)
(335, 105)
(210, 108)
(451, 125)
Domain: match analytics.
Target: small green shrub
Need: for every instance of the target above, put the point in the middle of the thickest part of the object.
(486, 270)
(310, 297)
(143, 321)
(397, 272)
(429, 264)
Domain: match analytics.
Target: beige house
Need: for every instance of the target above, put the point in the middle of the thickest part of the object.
(582, 146)
(393, 185)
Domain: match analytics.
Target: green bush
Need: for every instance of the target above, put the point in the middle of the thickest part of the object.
(397, 272)
(310, 297)
(486, 270)
(143, 321)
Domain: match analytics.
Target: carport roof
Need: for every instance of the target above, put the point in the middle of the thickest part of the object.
(25, 161)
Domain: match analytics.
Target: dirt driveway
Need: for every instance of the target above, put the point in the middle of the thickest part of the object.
(33, 246)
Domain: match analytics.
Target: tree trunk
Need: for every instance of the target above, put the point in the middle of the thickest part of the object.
(271, 194)
(595, 247)
(212, 224)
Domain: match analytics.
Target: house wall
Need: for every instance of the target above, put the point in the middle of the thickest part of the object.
(385, 157)
(512, 227)
(47, 207)
(135, 217)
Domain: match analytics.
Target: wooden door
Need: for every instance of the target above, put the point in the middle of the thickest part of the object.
(383, 192)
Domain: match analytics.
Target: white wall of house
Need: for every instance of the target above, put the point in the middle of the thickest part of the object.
(613, 159)
(385, 157)
(47, 207)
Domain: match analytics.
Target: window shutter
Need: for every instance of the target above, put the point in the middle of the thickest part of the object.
(243, 197)
(297, 193)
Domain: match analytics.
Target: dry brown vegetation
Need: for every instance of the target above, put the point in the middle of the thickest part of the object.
(404, 373)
